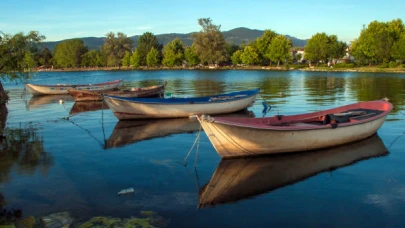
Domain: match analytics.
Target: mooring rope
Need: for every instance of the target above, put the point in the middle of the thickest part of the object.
(196, 141)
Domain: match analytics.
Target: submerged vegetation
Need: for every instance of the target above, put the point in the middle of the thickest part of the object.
(149, 219)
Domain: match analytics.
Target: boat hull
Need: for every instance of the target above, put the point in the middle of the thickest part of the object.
(86, 95)
(248, 141)
(36, 89)
(124, 110)
(238, 179)
(236, 139)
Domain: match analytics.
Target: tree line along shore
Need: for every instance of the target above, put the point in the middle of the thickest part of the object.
(380, 47)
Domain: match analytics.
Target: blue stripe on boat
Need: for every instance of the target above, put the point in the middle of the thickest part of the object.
(192, 100)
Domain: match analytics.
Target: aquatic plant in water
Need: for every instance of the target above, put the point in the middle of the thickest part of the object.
(150, 219)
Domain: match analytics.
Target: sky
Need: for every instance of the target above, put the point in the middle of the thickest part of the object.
(59, 20)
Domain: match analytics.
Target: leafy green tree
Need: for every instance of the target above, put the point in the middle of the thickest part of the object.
(45, 57)
(336, 49)
(135, 59)
(375, 43)
(93, 58)
(381, 41)
(190, 56)
(115, 47)
(398, 50)
(236, 57)
(126, 61)
(279, 50)
(231, 49)
(152, 59)
(249, 56)
(317, 48)
(15, 55)
(173, 53)
(360, 51)
(209, 44)
(262, 45)
(69, 53)
(396, 28)
(146, 42)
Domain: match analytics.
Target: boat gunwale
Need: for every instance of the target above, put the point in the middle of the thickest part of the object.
(234, 121)
(96, 92)
(75, 85)
(186, 101)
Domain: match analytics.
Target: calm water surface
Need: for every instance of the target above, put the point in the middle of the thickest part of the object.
(77, 157)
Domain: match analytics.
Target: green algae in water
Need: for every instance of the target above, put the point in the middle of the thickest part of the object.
(147, 213)
(151, 221)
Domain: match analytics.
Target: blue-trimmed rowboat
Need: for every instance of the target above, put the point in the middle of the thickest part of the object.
(36, 89)
(152, 108)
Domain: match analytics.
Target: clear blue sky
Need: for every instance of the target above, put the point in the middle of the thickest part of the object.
(59, 20)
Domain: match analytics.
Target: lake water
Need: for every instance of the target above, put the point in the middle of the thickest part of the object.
(67, 157)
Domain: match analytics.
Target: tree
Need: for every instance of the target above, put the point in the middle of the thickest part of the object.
(152, 59)
(146, 42)
(135, 59)
(249, 56)
(93, 58)
(375, 43)
(236, 57)
(173, 53)
(336, 49)
(231, 49)
(317, 48)
(115, 48)
(191, 57)
(69, 53)
(398, 50)
(45, 57)
(209, 43)
(279, 49)
(126, 61)
(15, 56)
(262, 45)
(396, 28)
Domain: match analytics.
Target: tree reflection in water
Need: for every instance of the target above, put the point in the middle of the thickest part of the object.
(22, 151)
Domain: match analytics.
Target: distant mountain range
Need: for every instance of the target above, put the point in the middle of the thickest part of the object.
(235, 36)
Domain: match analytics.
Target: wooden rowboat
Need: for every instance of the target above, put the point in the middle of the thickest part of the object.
(37, 89)
(88, 95)
(243, 178)
(235, 137)
(151, 108)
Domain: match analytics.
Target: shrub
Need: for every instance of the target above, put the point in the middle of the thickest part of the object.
(393, 64)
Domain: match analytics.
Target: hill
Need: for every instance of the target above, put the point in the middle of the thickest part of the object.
(235, 36)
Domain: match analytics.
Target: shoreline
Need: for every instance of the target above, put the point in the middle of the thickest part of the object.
(313, 69)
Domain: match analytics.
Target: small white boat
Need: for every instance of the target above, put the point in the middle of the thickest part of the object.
(88, 95)
(37, 89)
(235, 137)
(152, 108)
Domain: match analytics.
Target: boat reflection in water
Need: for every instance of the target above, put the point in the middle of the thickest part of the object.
(39, 101)
(88, 106)
(237, 179)
(131, 131)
